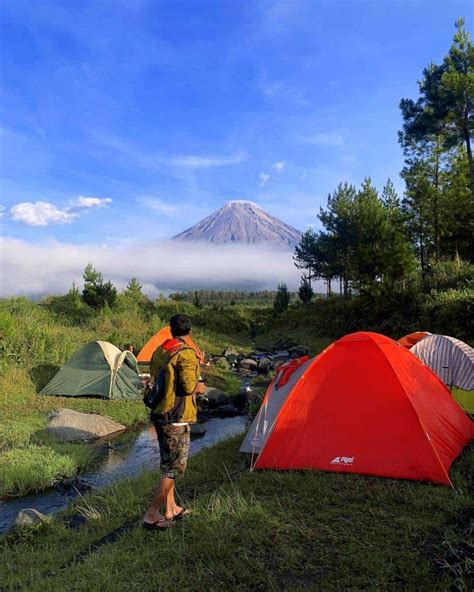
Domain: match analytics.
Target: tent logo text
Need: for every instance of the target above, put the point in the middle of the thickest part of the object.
(343, 460)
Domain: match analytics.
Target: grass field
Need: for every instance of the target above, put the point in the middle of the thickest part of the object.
(257, 531)
(34, 344)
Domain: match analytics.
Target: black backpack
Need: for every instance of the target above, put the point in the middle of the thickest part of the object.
(155, 394)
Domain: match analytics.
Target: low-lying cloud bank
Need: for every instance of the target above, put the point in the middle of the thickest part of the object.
(50, 268)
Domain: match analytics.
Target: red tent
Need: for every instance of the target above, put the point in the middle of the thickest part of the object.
(158, 339)
(366, 405)
(412, 339)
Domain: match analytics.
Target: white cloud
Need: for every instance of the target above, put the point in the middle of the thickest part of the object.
(263, 178)
(92, 202)
(279, 166)
(157, 204)
(34, 269)
(41, 213)
(205, 162)
(327, 139)
(2, 211)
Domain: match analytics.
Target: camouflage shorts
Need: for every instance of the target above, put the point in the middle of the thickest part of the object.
(174, 448)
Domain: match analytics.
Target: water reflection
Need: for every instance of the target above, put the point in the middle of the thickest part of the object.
(126, 456)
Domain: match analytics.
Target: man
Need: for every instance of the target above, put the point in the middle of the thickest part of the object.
(172, 416)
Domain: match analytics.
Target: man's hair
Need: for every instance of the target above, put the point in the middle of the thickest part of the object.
(180, 325)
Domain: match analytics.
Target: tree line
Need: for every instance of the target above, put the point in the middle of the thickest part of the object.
(378, 242)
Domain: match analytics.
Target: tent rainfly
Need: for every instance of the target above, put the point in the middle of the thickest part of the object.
(98, 369)
(147, 351)
(453, 361)
(365, 405)
(411, 339)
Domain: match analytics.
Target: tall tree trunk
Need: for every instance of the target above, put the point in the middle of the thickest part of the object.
(467, 139)
(436, 201)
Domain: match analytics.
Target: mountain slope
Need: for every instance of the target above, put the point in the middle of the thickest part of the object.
(241, 222)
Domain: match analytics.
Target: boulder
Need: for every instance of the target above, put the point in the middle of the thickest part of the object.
(249, 364)
(216, 397)
(230, 350)
(298, 351)
(228, 411)
(71, 426)
(29, 517)
(198, 429)
(264, 365)
(280, 357)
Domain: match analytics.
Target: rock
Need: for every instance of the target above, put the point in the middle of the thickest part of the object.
(264, 365)
(228, 411)
(70, 426)
(241, 400)
(29, 517)
(298, 351)
(73, 483)
(198, 429)
(216, 397)
(230, 350)
(280, 357)
(248, 364)
(75, 521)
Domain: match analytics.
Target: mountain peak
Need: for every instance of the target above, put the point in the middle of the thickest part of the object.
(242, 221)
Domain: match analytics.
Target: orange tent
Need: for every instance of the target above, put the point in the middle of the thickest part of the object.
(147, 351)
(365, 405)
(413, 338)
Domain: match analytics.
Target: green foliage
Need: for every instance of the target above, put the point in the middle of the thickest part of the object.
(221, 297)
(96, 293)
(439, 170)
(282, 299)
(197, 300)
(36, 467)
(364, 242)
(69, 307)
(400, 535)
(305, 292)
(449, 313)
(447, 274)
(445, 107)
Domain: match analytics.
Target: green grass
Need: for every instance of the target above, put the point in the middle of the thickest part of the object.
(34, 343)
(264, 530)
(24, 470)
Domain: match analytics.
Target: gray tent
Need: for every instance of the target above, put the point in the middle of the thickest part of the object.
(98, 369)
(451, 359)
(264, 422)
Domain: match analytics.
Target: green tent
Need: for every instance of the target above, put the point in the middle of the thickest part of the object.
(98, 369)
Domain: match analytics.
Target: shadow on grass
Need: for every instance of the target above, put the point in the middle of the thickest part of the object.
(42, 374)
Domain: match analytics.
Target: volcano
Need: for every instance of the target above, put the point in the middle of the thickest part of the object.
(242, 222)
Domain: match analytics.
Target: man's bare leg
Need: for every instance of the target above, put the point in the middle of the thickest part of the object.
(171, 507)
(162, 494)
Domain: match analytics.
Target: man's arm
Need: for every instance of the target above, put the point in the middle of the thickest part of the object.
(188, 372)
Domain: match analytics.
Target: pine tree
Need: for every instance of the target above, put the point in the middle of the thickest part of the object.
(305, 291)
(445, 107)
(282, 299)
(96, 293)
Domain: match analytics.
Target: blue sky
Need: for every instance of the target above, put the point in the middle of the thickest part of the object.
(163, 110)
(157, 104)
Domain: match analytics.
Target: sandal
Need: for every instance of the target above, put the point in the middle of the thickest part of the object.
(161, 524)
(183, 514)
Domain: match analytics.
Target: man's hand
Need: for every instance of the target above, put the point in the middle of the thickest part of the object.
(200, 388)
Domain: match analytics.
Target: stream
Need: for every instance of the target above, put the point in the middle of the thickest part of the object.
(121, 456)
